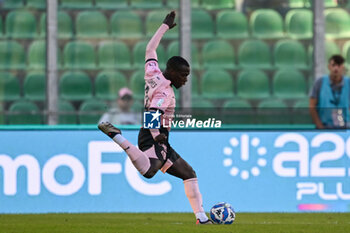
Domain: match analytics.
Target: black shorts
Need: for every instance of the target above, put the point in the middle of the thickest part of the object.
(146, 141)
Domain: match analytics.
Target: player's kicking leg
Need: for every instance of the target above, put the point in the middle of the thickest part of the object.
(137, 157)
(184, 171)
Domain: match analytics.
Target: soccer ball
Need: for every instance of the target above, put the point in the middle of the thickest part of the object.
(222, 213)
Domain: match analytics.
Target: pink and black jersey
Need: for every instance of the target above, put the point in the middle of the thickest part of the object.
(158, 92)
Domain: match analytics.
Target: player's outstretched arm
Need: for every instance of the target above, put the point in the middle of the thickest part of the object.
(152, 45)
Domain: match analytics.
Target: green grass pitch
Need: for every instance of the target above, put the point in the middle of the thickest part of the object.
(173, 223)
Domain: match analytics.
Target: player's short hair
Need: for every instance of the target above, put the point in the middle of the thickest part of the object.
(338, 59)
(176, 62)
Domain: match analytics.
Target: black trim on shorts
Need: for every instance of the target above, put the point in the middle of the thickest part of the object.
(151, 59)
(155, 109)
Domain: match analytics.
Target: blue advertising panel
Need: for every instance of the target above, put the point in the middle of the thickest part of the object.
(256, 171)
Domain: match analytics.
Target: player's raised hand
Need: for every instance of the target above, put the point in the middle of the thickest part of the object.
(169, 20)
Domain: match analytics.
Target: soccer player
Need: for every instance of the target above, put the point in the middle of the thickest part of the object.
(154, 152)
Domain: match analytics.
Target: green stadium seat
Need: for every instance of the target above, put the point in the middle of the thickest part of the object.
(91, 24)
(231, 25)
(126, 25)
(330, 3)
(203, 109)
(290, 53)
(266, 24)
(21, 24)
(217, 84)
(108, 83)
(137, 84)
(37, 4)
(202, 24)
(254, 54)
(75, 86)
(289, 84)
(301, 112)
(34, 87)
(76, 4)
(1, 28)
(154, 19)
(79, 55)
(331, 49)
(66, 113)
(299, 24)
(337, 23)
(91, 111)
(194, 85)
(218, 54)
(237, 111)
(273, 112)
(296, 3)
(111, 4)
(65, 25)
(2, 115)
(9, 87)
(12, 55)
(174, 50)
(23, 112)
(146, 4)
(175, 4)
(218, 4)
(37, 55)
(252, 84)
(139, 51)
(12, 4)
(114, 54)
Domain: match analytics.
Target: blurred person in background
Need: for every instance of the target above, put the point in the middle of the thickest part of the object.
(330, 97)
(121, 112)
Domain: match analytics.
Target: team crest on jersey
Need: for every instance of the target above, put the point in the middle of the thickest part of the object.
(160, 102)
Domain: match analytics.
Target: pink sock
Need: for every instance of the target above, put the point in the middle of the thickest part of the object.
(137, 157)
(194, 196)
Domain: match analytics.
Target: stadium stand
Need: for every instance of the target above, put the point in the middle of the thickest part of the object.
(66, 113)
(218, 4)
(289, 84)
(175, 4)
(1, 28)
(290, 53)
(174, 50)
(202, 24)
(266, 24)
(252, 84)
(79, 55)
(126, 25)
(346, 52)
(218, 54)
(298, 23)
(65, 25)
(76, 4)
(153, 20)
(111, 4)
(114, 54)
(254, 54)
(13, 4)
(24, 112)
(9, 87)
(108, 83)
(34, 86)
(217, 84)
(231, 25)
(237, 111)
(137, 84)
(273, 111)
(12, 55)
(139, 51)
(36, 58)
(146, 4)
(36, 4)
(92, 24)
(2, 115)
(91, 110)
(301, 112)
(337, 23)
(75, 86)
(21, 24)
